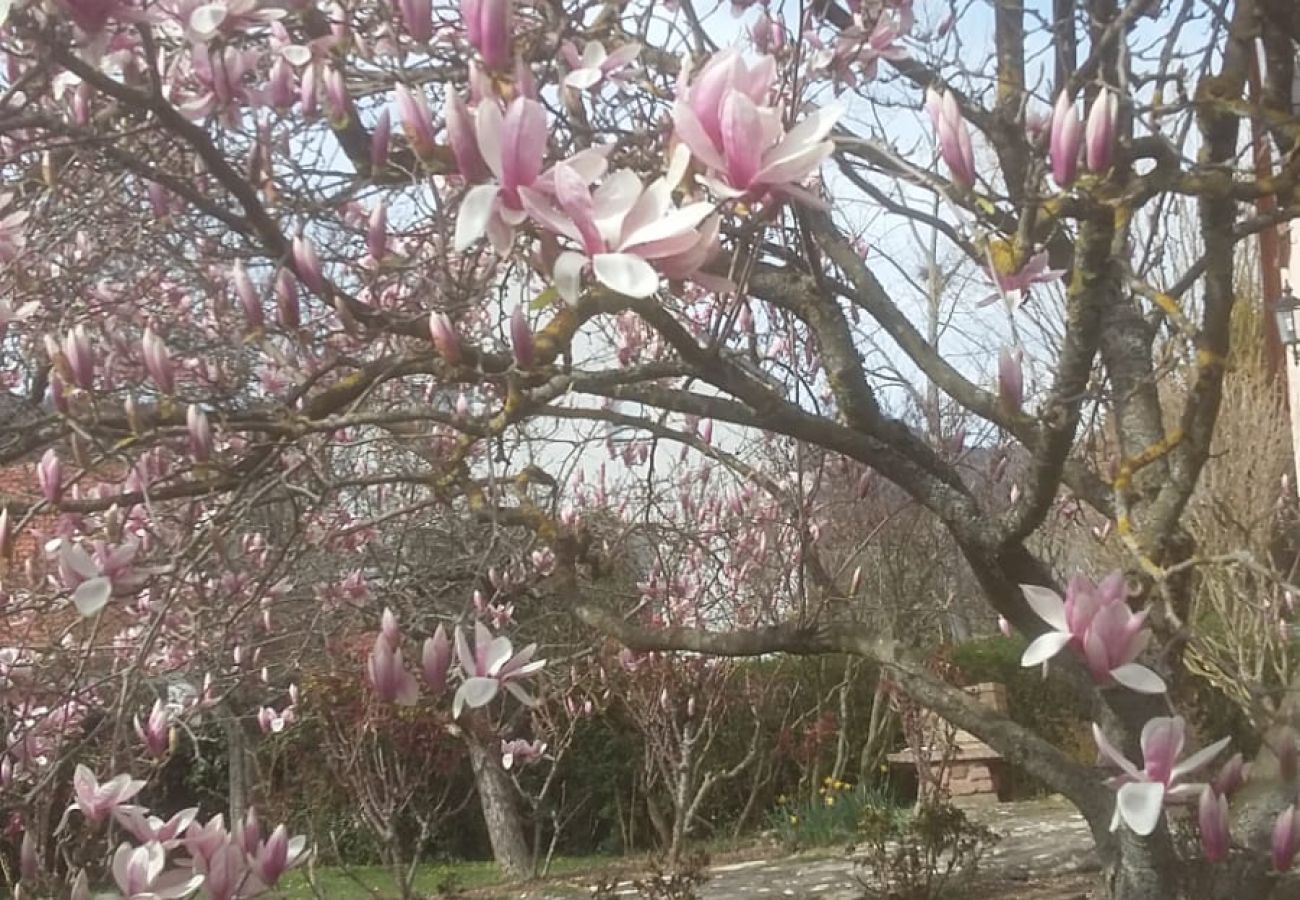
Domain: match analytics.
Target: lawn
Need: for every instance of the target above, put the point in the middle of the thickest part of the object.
(376, 883)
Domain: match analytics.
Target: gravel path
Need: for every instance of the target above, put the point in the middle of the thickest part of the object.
(1040, 840)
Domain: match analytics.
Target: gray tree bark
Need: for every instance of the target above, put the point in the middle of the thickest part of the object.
(501, 815)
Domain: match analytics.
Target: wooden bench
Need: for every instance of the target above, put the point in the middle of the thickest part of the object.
(974, 769)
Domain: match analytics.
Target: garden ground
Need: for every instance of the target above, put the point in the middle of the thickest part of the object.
(1045, 854)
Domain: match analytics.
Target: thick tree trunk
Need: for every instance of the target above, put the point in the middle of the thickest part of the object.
(505, 826)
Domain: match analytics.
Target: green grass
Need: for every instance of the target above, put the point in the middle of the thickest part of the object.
(376, 882)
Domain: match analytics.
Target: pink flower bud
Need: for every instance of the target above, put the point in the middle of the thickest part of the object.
(1099, 137)
(1213, 819)
(337, 102)
(273, 858)
(249, 835)
(287, 308)
(281, 85)
(158, 200)
(377, 231)
(435, 660)
(249, 301)
(158, 361)
(1283, 844)
(29, 862)
(1231, 776)
(953, 137)
(1065, 141)
(416, 120)
(308, 265)
(379, 141)
(445, 339)
(49, 473)
(155, 731)
(58, 395)
(487, 28)
(464, 143)
(81, 105)
(388, 675)
(80, 887)
(1011, 384)
(200, 434)
(80, 358)
(417, 19)
(307, 91)
(1004, 626)
(521, 340)
(389, 628)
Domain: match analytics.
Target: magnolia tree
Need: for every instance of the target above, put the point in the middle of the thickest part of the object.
(247, 247)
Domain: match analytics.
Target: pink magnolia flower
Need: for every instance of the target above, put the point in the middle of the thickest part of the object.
(1212, 816)
(1284, 841)
(1143, 793)
(435, 659)
(139, 873)
(1011, 379)
(199, 432)
(158, 361)
(491, 665)
(98, 801)
(1096, 621)
(1011, 285)
(512, 147)
(1099, 135)
(417, 19)
(416, 120)
(388, 674)
(226, 874)
(522, 343)
(744, 144)
(277, 855)
(202, 842)
(622, 228)
(146, 828)
(520, 751)
(953, 137)
(596, 64)
(155, 731)
(487, 28)
(1065, 142)
(445, 339)
(94, 579)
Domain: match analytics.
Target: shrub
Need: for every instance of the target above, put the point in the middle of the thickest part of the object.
(1044, 706)
(831, 818)
(920, 856)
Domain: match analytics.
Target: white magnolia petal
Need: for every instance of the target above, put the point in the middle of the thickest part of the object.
(296, 54)
(1199, 758)
(582, 79)
(1047, 605)
(1140, 804)
(475, 212)
(627, 274)
(1044, 647)
(498, 653)
(91, 596)
(1112, 753)
(5, 7)
(676, 222)
(479, 691)
(1139, 678)
(488, 125)
(568, 275)
(207, 19)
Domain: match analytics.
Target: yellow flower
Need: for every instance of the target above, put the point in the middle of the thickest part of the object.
(782, 800)
(830, 801)
(794, 820)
